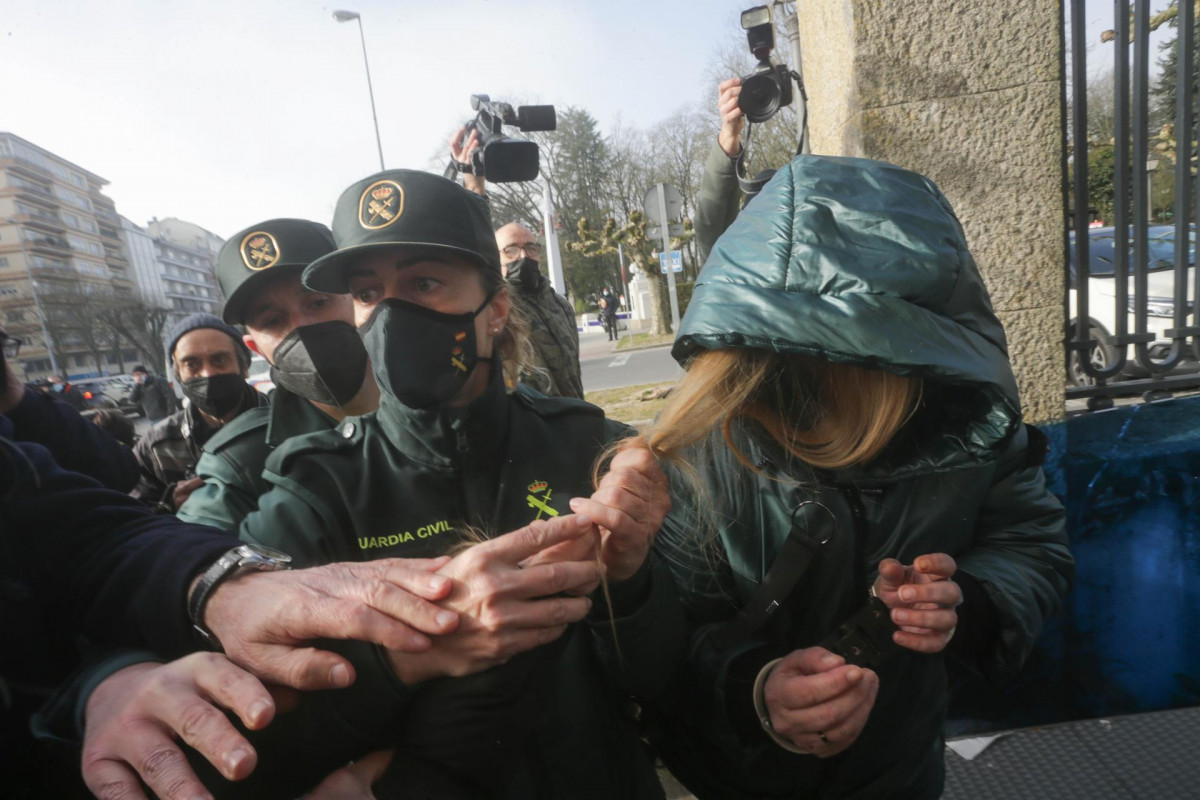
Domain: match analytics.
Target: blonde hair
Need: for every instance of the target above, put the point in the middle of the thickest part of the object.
(512, 346)
(827, 414)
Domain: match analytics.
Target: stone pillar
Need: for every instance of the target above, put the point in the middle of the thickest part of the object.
(965, 92)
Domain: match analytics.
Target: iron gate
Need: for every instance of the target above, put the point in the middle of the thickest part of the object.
(1132, 341)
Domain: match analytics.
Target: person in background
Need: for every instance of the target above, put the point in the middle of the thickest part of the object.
(608, 312)
(211, 363)
(113, 421)
(153, 394)
(64, 390)
(318, 363)
(555, 370)
(720, 197)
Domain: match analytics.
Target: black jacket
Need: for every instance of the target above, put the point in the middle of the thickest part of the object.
(77, 557)
(156, 397)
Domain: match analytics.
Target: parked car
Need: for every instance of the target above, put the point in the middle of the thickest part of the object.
(260, 375)
(1160, 298)
(111, 391)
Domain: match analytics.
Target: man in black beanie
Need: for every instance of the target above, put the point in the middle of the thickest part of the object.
(211, 364)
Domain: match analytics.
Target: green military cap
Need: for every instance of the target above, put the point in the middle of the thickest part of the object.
(266, 250)
(405, 208)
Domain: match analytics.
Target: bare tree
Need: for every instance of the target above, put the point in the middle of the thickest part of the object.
(680, 145)
(632, 237)
(139, 322)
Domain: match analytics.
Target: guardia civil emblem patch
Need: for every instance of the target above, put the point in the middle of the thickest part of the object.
(259, 250)
(542, 502)
(456, 352)
(380, 205)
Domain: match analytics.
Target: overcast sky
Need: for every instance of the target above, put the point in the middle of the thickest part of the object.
(228, 112)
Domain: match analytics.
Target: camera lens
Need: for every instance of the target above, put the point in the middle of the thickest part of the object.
(760, 97)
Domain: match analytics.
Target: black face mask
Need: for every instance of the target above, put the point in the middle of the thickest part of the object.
(325, 362)
(217, 395)
(525, 273)
(420, 356)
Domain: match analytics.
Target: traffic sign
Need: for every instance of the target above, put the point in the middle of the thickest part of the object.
(674, 201)
(676, 257)
(673, 229)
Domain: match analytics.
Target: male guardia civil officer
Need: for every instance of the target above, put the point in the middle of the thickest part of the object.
(318, 362)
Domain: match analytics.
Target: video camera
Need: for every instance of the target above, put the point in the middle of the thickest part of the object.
(769, 87)
(500, 158)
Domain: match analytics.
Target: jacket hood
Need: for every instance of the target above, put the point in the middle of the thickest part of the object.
(859, 262)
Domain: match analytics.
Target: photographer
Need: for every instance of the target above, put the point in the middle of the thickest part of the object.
(719, 202)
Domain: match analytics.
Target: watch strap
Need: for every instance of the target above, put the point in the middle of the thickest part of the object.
(229, 564)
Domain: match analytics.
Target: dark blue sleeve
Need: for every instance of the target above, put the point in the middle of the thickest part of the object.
(109, 567)
(75, 443)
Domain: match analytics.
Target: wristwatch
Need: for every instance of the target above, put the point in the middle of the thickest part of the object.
(243, 557)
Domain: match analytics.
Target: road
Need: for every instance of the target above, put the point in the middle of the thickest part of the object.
(606, 368)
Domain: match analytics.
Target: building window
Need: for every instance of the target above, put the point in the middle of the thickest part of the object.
(3, 261)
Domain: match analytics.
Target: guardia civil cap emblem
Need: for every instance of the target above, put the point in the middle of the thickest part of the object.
(380, 205)
(259, 250)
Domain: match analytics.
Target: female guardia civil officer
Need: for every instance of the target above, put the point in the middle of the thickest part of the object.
(453, 447)
(854, 428)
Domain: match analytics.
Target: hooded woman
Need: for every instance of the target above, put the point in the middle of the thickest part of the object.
(851, 428)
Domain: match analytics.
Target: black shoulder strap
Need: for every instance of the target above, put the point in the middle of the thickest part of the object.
(812, 526)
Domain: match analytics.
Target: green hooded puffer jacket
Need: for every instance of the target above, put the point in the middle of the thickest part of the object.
(859, 262)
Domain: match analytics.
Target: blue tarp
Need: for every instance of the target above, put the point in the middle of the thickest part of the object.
(1128, 639)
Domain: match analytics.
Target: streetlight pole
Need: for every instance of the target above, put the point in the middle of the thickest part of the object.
(1151, 168)
(47, 342)
(346, 16)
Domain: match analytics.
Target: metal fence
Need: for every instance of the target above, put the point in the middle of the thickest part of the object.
(1122, 338)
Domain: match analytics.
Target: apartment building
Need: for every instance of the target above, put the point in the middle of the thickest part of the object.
(60, 245)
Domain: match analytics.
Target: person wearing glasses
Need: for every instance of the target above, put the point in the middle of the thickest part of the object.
(551, 318)
(851, 428)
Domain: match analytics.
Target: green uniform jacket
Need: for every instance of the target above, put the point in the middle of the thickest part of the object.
(234, 458)
(399, 482)
(799, 272)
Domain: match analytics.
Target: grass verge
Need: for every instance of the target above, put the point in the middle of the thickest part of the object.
(626, 404)
(644, 340)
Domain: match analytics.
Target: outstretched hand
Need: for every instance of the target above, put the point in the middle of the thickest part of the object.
(732, 117)
(461, 151)
(923, 600)
(134, 717)
(266, 620)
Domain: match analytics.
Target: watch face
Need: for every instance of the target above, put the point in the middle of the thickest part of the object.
(267, 554)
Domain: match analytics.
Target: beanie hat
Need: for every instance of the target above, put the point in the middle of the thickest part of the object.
(197, 321)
